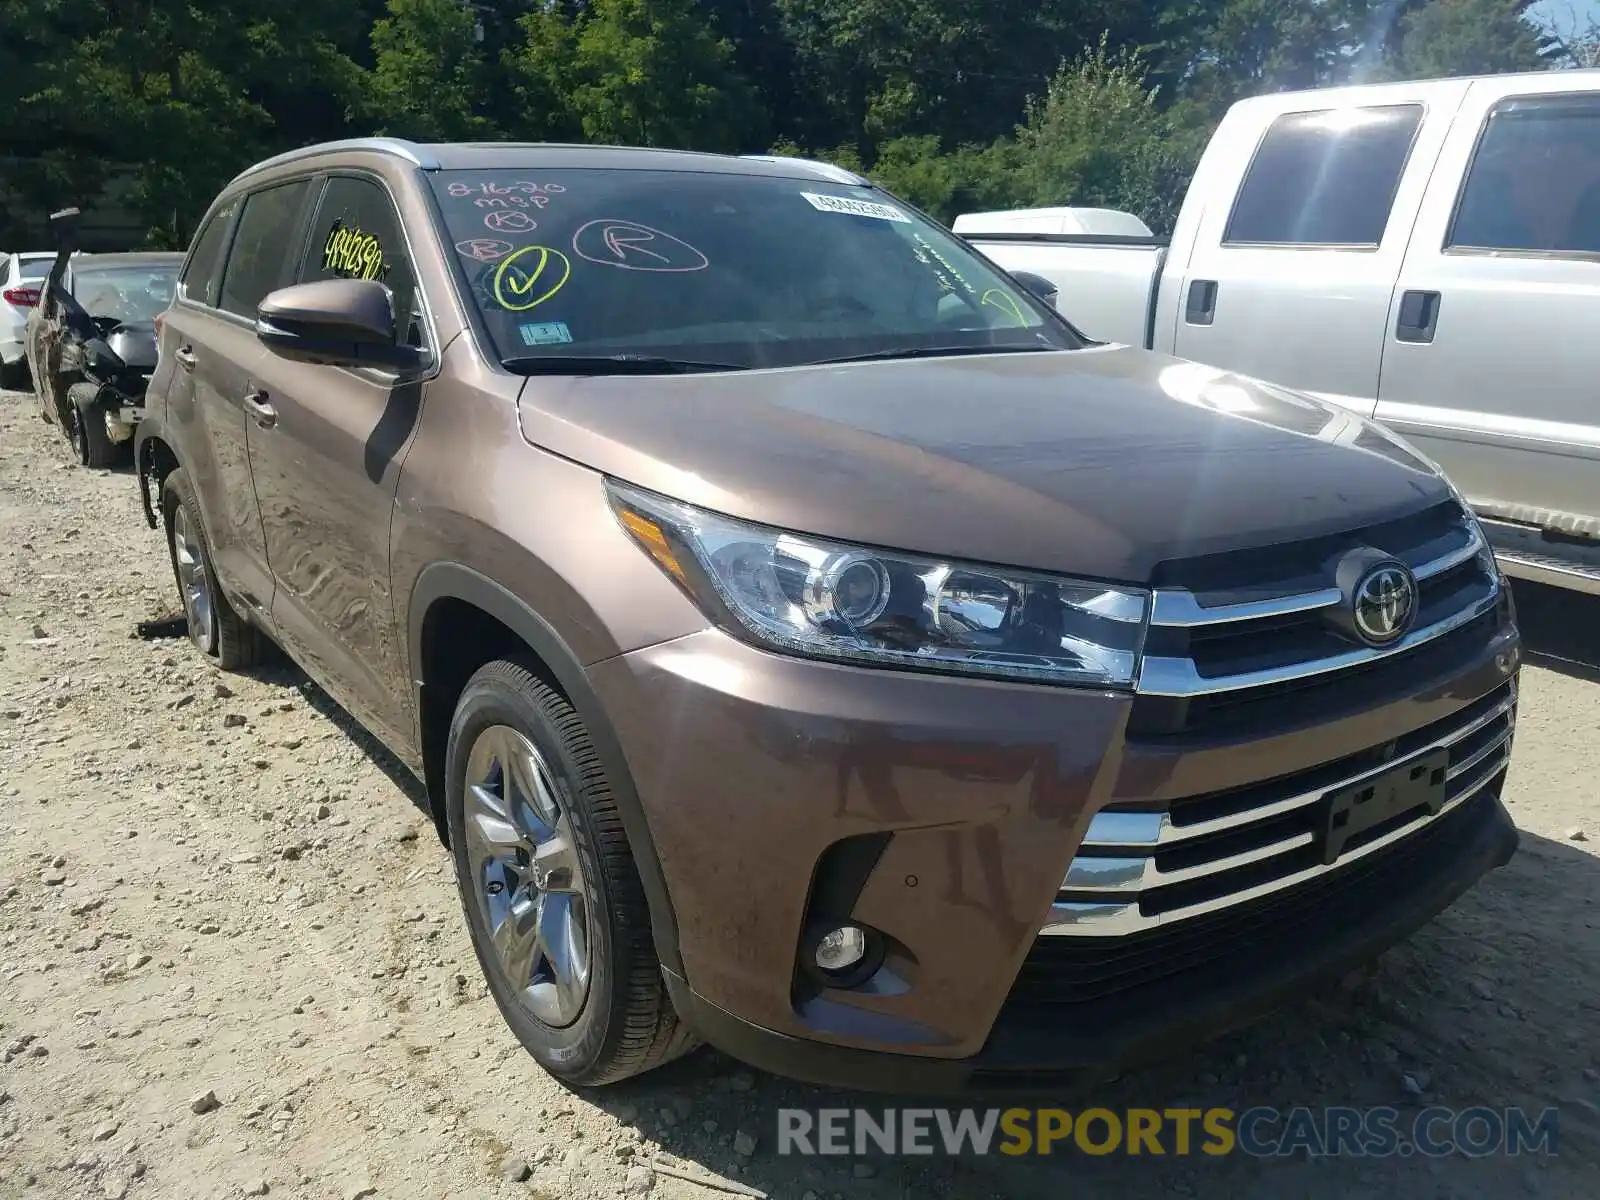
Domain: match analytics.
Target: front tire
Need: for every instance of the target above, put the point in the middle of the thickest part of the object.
(216, 630)
(553, 901)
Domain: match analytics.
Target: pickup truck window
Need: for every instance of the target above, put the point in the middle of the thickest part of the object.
(1324, 178)
(1534, 183)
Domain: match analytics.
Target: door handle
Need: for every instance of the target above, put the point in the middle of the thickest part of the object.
(185, 357)
(1201, 306)
(261, 412)
(1419, 317)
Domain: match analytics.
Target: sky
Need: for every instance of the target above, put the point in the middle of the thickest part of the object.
(1561, 12)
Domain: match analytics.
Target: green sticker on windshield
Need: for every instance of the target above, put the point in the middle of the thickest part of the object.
(547, 334)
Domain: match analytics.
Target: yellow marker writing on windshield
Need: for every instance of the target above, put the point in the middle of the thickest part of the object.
(529, 284)
(1006, 303)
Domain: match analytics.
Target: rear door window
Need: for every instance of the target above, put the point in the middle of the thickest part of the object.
(265, 247)
(1534, 183)
(203, 271)
(1325, 178)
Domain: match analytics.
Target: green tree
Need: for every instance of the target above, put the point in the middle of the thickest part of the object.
(1468, 37)
(1222, 52)
(875, 70)
(429, 80)
(165, 99)
(635, 72)
(1098, 138)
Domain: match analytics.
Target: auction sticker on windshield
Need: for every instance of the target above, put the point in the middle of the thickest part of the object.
(856, 208)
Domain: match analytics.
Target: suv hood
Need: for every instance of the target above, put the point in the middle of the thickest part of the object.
(1100, 462)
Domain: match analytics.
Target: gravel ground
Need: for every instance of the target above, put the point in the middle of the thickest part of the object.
(232, 961)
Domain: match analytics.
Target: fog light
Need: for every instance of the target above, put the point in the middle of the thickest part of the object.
(842, 948)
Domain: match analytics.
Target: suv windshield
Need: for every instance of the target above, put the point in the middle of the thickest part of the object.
(126, 294)
(714, 270)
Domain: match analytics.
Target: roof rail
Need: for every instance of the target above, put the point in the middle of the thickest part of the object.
(826, 169)
(413, 153)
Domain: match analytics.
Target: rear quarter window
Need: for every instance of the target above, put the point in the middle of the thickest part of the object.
(203, 271)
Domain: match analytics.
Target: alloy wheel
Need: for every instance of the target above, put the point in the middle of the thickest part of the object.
(526, 877)
(193, 579)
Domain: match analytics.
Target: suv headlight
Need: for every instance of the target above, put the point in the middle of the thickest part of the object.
(809, 596)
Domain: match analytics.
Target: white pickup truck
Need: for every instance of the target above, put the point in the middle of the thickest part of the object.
(1427, 254)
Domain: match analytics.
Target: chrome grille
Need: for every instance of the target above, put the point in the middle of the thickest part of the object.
(1139, 868)
(1448, 608)
(1233, 633)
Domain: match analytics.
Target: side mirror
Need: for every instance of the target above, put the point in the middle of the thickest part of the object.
(64, 228)
(1041, 287)
(338, 322)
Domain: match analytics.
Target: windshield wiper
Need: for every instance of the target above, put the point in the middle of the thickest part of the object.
(935, 352)
(610, 364)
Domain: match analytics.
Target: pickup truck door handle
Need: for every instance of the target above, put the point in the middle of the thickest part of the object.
(185, 357)
(261, 412)
(1201, 306)
(1419, 317)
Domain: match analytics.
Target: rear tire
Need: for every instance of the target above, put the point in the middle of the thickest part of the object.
(88, 433)
(554, 905)
(14, 376)
(216, 630)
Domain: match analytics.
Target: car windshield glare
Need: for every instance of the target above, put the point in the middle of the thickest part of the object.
(125, 294)
(711, 267)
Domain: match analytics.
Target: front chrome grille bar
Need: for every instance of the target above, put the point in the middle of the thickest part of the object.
(1181, 608)
(1178, 608)
(1116, 863)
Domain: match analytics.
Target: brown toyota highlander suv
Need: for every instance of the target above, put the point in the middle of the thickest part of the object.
(809, 642)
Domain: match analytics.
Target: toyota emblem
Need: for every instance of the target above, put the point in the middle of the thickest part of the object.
(1385, 601)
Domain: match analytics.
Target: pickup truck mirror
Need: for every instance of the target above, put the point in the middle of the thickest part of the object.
(338, 322)
(1041, 287)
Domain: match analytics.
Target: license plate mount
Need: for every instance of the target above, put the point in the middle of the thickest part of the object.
(1420, 784)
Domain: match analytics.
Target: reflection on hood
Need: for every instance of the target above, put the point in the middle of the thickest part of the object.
(1264, 403)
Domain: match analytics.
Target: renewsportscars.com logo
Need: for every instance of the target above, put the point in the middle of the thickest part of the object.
(1258, 1132)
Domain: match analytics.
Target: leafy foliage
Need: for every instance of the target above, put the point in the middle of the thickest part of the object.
(955, 105)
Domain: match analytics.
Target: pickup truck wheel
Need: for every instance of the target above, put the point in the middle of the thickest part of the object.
(553, 901)
(94, 446)
(216, 630)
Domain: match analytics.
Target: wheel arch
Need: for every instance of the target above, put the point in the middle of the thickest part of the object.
(154, 458)
(481, 620)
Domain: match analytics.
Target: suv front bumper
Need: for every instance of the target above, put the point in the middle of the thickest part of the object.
(973, 798)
